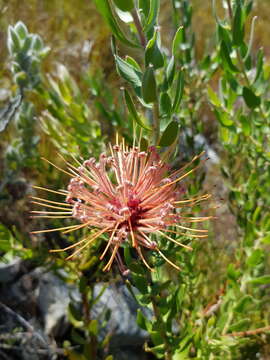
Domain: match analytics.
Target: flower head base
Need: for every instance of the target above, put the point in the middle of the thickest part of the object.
(127, 195)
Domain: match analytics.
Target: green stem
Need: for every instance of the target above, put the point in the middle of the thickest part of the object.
(162, 327)
(156, 123)
(87, 319)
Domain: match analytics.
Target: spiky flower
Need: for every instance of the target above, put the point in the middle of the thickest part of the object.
(127, 195)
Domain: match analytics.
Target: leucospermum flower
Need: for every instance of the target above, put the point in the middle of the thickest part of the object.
(127, 195)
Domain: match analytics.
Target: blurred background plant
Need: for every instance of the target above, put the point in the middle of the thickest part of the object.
(191, 76)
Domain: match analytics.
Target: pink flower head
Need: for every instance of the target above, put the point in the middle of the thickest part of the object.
(128, 195)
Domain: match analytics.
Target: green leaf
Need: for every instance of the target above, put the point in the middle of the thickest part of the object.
(233, 273)
(224, 35)
(246, 126)
(177, 40)
(165, 104)
(74, 316)
(105, 10)
(93, 327)
(152, 15)
(113, 45)
(128, 72)
(124, 5)
(127, 256)
(170, 134)
(142, 320)
(133, 111)
(9, 111)
(153, 55)
(213, 97)
(144, 6)
(255, 258)
(140, 282)
(259, 67)
(179, 91)
(266, 239)
(226, 59)
(21, 30)
(240, 325)
(37, 43)
(149, 86)
(223, 118)
(14, 43)
(238, 25)
(243, 303)
(76, 337)
(265, 279)
(170, 71)
(133, 62)
(251, 100)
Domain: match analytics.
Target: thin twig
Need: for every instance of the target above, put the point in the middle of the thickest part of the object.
(139, 28)
(156, 123)
(250, 332)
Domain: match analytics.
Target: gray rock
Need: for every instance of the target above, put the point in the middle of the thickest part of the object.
(52, 300)
(9, 270)
(41, 298)
(122, 322)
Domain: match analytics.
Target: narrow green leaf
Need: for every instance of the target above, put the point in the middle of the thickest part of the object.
(224, 35)
(240, 325)
(259, 67)
(226, 59)
(140, 282)
(250, 98)
(266, 239)
(170, 134)
(93, 327)
(113, 45)
(105, 10)
(77, 338)
(177, 40)
(245, 123)
(21, 30)
(37, 43)
(170, 71)
(128, 72)
(261, 280)
(149, 86)
(144, 6)
(232, 272)
(179, 91)
(141, 320)
(223, 118)
(165, 104)
(153, 55)
(124, 5)
(213, 97)
(132, 109)
(238, 25)
(13, 40)
(133, 62)
(152, 15)
(243, 303)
